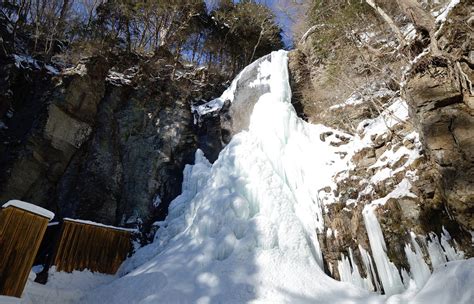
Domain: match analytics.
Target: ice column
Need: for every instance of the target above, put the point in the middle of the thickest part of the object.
(388, 273)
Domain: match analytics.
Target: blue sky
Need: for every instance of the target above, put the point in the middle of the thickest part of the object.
(282, 19)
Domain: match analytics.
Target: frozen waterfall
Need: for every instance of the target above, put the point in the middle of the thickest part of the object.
(245, 228)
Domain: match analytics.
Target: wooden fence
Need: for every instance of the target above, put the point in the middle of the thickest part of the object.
(86, 245)
(21, 232)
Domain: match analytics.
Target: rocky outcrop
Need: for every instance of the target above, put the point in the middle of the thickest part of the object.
(132, 167)
(299, 78)
(218, 120)
(250, 84)
(411, 167)
(60, 123)
(390, 174)
(439, 91)
(106, 140)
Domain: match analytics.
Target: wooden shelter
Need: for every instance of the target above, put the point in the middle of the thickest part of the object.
(88, 245)
(22, 226)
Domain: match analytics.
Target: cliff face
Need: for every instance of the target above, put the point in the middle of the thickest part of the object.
(439, 91)
(97, 143)
(411, 167)
(49, 123)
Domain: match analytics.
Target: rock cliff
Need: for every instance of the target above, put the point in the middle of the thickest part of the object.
(412, 165)
(100, 141)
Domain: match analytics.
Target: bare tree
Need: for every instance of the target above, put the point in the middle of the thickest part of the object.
(388, 20)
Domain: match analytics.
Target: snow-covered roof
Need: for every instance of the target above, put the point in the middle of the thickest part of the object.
(30, 208)
(99, 224)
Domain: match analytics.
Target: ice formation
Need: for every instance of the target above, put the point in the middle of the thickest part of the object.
(216, 104)
(245, 228)
(388, 273)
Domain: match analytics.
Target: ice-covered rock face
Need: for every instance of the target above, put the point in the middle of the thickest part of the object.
(236, 104)
(245, 228)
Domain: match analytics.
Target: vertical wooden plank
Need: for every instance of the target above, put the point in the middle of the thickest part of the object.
(37, 230)
(21, 233)
(61, 247)
(18, 233)
(5, 217)
(91, 259)
(21, 252)
(85, 246)
(73, 240)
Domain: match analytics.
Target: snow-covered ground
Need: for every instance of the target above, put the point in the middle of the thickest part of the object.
(244, 228)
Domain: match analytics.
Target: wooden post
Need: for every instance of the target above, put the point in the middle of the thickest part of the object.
(22, 227)
(87, 245)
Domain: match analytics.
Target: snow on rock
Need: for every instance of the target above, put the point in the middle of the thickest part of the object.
(51, 69)
(3, 126)
(157, 201)
(401, 190)
(441, 18)
(409, 32)
(371, 92)
(353, 100)
(25, 61)
(371, 129)
(30, 208)
(118, 78)
(28, 62)
(80, 69)
(212, 107)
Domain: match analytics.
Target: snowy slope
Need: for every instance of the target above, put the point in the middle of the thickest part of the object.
(244, 229)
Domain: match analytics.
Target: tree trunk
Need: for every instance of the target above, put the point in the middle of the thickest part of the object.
(128, 35)
(62, 19)
(388, 20)
(18, 21)
(262, 31)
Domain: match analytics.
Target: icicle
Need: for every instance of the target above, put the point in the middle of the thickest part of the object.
(388, 273)
(369, 268)
(349, 272)
(451, 253)
(419, 270)
(435, 251)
